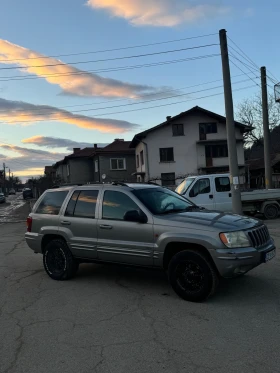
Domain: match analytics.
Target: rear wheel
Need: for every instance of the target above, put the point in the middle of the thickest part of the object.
(58, 261)
(271, 211)
(192, 276)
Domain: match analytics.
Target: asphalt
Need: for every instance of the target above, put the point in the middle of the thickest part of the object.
(113, 319)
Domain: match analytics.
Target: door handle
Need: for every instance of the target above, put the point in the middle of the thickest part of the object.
(229, 194)
(211, 196)
(65, 222)
(103, 226)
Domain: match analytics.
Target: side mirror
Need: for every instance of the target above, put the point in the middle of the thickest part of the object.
(135, 216)
(192, 193)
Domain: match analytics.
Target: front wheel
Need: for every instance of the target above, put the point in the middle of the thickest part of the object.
(192, 276)
(58, 261)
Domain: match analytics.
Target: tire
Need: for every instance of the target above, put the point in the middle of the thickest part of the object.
(59, 262)
(192, 276)
(271, 212)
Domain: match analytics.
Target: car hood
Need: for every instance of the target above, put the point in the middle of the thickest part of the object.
(209, 220)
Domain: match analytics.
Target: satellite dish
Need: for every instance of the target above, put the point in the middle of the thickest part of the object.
(104, 176)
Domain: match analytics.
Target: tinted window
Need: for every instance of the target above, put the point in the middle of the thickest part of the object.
(116, 204)
(222, 184)
(51, 203)
(72, 203)
(86, 203)
(202, 186)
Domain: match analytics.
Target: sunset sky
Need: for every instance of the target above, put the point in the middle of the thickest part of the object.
(77, 72)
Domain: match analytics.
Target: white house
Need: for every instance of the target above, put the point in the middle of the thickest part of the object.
(193, 142)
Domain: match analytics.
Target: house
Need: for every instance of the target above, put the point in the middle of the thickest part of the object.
(115, 162)
(192, 142)
(50, 172)
(256, 170)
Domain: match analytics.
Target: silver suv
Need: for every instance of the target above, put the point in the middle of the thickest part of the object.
(145, 225)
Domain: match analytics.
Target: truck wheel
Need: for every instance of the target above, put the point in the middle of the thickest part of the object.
(192, 276)
(271, 211)
(58, 261)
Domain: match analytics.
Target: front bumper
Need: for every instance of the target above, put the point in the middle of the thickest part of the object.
(234, 262)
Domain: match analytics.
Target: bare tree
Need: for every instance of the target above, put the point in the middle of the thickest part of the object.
(249, 112)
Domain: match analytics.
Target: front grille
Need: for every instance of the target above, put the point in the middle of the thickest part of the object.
(259, 236)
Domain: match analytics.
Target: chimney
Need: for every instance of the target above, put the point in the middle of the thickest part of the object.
(119, 139)
(76, 150)
(95, 146)
(169, 117)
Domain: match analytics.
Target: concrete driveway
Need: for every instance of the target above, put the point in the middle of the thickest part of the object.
(120, 320)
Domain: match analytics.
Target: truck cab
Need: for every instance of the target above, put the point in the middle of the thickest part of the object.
(210, 191)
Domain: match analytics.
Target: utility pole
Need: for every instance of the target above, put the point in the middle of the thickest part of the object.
(266, 132)
(230, 125)
(4, 168)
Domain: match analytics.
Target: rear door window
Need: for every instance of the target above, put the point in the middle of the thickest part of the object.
(222, 184)
(82, 204)
(51, 203)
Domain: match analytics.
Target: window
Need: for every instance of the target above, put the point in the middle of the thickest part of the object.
(222, 184)
(96, 168)
(116, 204)
(137, 160)
(68, 170)
(118, 164)
(202, 186)
(184, 186)
(166, 154)
(51, 203)
(205, 128)
(162, 201)
(168, 179)
(82, 204)
(142, 157)
(216, 151)
(178, 129)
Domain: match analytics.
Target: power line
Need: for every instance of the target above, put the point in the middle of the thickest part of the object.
(244, 72)
(119, 112)
(115, 106)
(253, 65)
(110, 50)
(109, 59)
(249, 59)
(244, 64)
(113, 69)
(142, 96)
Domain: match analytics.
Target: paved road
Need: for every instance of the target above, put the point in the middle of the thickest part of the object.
(120, 320)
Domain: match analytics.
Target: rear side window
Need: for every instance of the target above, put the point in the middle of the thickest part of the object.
(51, 203)
(82, 204)
(222, 184)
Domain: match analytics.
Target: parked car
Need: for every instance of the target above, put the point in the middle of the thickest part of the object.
(2, 198)
(149, 226)
(214, 192)
(27, 193)
(12, 191)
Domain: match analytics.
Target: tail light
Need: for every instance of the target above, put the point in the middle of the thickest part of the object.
(29, 224)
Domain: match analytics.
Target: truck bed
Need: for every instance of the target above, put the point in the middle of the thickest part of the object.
(261, 195)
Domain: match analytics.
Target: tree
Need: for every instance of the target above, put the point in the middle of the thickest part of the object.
(249, 112)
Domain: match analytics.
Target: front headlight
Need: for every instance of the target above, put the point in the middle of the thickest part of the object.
(235, 239)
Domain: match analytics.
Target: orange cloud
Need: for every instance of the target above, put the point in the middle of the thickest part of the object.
(166, 13)
(12, 112)
(76, 84)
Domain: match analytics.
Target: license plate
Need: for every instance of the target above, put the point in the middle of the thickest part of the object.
(270, 255)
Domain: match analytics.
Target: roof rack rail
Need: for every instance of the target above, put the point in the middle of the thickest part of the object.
(119, 183)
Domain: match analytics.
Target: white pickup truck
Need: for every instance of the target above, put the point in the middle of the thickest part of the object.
(214, 193)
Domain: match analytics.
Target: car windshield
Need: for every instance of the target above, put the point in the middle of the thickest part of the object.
(184, 186)
(162, 201)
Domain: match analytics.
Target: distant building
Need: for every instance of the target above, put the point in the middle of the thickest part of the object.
(114, 162)
(192, 142)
